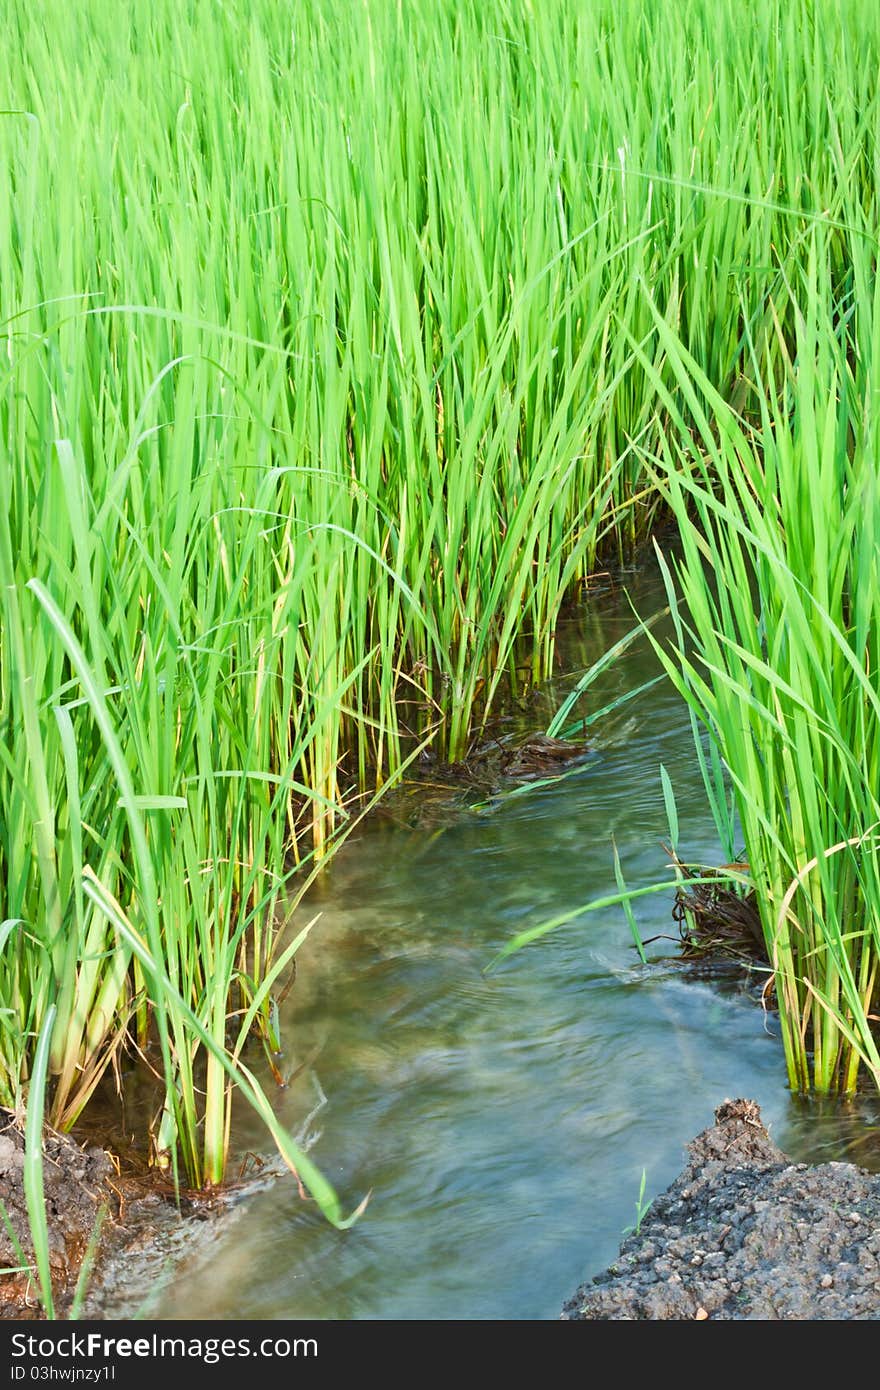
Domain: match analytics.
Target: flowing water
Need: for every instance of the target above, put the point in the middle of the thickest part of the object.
(502, 1121)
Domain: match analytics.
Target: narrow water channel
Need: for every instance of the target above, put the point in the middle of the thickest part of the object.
(502, 1122)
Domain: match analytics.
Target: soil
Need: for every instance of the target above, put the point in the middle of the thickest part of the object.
(76, 1183)
(140, 1233)
(743, 1233)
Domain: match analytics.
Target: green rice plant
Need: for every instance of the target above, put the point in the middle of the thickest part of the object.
(328, 374)
(642, 1207)
(627, 905)
(776, 651)
(775, 601)
(33, 1164)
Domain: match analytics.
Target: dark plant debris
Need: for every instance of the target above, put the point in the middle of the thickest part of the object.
(719, 917)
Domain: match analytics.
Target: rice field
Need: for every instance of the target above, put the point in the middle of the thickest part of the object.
(340, 343)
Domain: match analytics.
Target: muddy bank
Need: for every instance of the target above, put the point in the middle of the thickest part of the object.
(743, 1233)
(140, 1233)
(78, 1186)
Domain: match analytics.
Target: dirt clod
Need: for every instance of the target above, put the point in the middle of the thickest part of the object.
(743, 1233)
(75, 1184)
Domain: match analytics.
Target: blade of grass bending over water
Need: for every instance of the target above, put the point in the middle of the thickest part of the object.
(555, 729)
(558, 722)
(525, 788)
(624, 897)
(626, 904)
(593, 718)
(671, 808)
(298, 1162)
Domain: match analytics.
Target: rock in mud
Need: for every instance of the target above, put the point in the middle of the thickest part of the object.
(743, 1233)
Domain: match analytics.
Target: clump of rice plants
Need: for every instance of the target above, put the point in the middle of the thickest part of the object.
(775, 598)
(778, 653)
(328, 367)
